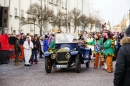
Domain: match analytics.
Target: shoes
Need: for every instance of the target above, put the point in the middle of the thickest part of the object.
(36, 62)
(31, 62)
(27, 64)
(109, 71)
(100, 67)
(95, 67)
(16, 64)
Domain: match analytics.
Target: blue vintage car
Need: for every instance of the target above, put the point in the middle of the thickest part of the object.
(69, 52)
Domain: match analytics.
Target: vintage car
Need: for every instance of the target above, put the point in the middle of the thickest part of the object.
(69, 52)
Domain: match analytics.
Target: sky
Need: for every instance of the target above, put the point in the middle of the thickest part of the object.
(111, 10)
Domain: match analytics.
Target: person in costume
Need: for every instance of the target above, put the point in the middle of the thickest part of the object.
(109, 52)
(28, 46)
(97, 42)
(46, 44)
(52, 46)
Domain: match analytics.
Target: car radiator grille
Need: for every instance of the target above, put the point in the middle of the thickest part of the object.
(61, 57)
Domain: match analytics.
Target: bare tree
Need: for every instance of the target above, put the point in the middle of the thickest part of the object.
(37, 16)
(84, 21)
(58, 19)
(74, 17)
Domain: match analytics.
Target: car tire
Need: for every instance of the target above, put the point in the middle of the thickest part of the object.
(78, 63)
(87, 64)
(48, 65)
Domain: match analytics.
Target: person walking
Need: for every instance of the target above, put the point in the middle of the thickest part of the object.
(17, 50)
(109, 52)
(122, 67)
(90, 40)
(97, 43)
(28, 46)
(35, 50)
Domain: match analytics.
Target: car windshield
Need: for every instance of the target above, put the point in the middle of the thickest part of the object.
(66, 38)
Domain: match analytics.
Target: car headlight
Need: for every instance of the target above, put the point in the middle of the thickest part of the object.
(68, 56)
(53, 56)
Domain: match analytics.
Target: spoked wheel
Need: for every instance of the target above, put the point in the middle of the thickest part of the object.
(48, 65)
(87, 64)
(77, 64)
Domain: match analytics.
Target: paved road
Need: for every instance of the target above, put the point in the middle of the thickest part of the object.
(35, 75)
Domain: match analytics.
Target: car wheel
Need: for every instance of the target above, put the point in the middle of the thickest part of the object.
(87, 64)
(77, 64)
(48, 65)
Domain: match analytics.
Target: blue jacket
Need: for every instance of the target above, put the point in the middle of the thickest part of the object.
(46, 45)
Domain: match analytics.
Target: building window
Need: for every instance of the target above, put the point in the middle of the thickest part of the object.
(14, 31)
(15, 11)
(57, 2)
(62, 4)
(45, 5)
(11, 29)
(22, 13)
(65, 5)
(52, 1)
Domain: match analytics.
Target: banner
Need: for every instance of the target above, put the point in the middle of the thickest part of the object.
(4, 44)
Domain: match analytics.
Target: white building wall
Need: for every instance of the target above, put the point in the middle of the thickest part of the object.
(14, 24)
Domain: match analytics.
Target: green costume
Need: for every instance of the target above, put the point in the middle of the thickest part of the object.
(91, 42)
(97, 45)
(109, 47)
(52, 47)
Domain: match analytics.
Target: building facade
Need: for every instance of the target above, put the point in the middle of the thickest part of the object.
(18, 9)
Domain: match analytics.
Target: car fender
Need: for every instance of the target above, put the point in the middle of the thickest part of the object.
(47, 54)
(74, 52)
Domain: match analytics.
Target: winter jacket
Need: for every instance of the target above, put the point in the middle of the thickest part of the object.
(17, 46)
(22, 41)
(122, 68)
(37, 43)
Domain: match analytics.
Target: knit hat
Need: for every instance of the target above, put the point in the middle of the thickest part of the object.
(127, 32)
(46, 36)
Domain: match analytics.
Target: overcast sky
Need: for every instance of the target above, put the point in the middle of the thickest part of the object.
(112, 10)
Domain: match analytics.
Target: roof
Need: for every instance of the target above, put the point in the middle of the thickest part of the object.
(123, 23)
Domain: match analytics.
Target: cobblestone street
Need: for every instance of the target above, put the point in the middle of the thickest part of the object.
(35, 75)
